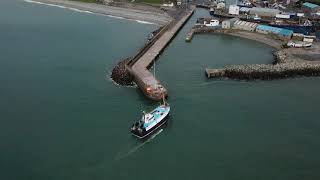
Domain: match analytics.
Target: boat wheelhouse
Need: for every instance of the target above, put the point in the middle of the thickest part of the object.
(151, 121)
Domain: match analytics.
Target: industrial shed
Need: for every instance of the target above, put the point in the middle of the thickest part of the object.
(282, 33)
(264, 12)
(244, 25)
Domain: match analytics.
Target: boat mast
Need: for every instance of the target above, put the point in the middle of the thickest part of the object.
(154, 72)
(154, 68)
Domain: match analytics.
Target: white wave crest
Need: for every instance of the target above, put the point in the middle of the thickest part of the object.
(144, 22)
(116, 17)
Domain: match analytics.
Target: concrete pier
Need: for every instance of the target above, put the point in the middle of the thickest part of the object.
(149, 85)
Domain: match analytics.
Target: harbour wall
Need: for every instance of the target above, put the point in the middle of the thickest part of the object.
(265, 71)
(138, 66)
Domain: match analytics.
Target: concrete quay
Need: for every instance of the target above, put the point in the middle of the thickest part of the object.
(139, 65)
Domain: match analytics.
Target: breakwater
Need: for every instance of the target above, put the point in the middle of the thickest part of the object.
(139, 65)
(285, 65)
(136, 68)
(265, 71)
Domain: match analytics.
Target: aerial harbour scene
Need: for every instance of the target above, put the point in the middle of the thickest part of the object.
(160, 89)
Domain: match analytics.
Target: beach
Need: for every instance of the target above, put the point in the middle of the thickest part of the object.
(140, 13)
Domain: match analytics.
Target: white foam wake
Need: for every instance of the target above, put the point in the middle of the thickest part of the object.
(135, 148)
(59, 6)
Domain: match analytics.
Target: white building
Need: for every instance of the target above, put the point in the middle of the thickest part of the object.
(228, 24)
(234, 9)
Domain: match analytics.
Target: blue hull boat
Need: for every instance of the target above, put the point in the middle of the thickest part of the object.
(151, 121)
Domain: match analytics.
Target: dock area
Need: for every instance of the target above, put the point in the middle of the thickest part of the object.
(138, 67)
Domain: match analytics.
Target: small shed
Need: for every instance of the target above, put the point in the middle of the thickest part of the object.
(310, 7)
(228, 24)
(282, 33)
(264, 12)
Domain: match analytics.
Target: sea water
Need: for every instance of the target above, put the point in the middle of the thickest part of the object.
(62, 118)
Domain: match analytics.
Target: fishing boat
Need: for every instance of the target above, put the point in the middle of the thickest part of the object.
(151, 121)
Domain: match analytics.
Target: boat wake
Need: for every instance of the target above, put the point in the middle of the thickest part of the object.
(59, 6)
(137, 147)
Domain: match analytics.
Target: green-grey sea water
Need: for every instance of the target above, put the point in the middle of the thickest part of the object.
(61, 118)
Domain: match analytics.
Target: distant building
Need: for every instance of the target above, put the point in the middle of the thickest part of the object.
(310, 8)
(280, 32)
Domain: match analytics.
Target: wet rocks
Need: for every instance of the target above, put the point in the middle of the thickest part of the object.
(280, 57)
(266, 71)
(121, 75)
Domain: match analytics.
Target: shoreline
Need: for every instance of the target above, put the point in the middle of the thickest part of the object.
(261, 38)
(288, 62)
(147, 15)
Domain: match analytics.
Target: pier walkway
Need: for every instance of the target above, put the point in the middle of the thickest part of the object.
(150, 86)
